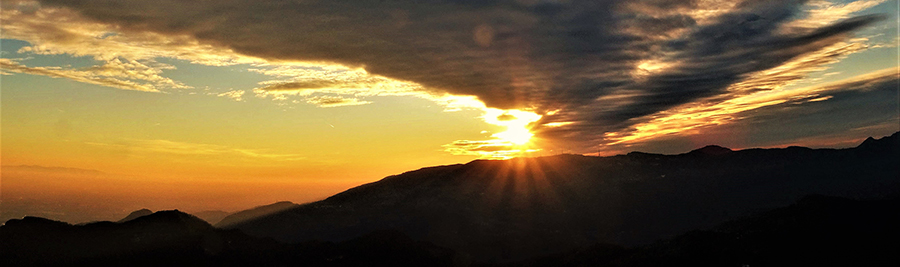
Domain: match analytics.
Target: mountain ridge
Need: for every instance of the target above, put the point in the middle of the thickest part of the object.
(175, 238)
(253, 213)
(633, 199)
(136, 214)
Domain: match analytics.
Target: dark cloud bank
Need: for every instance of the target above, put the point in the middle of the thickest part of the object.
(579, 58)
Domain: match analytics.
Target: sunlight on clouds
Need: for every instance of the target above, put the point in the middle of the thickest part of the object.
(237, 95)
(130, 57)
(128, 60)
(91, 77)
(335, 101)
(796, 70)
(650, 67)
(688, 119)
(55, 31)
(514, 141)
(764, 88)
(325, 86)
(823, 13)
(701, 11)
(336, 86)
(193, 149)
(516, 122)
(489, 149)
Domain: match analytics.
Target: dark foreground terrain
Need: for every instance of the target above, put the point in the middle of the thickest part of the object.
(710, 207)
(816, 231)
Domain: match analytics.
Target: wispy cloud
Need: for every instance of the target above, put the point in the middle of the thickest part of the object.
(236, 95)
(194, 149)
(104, 77)
(335, 101)
(489, 149)
(822, 13)
(331, 86)
(687, 119)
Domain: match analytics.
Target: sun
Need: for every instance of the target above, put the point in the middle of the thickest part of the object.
(516, 122)
(517, 136)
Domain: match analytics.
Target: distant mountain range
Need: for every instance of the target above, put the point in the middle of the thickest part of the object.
(174, 238)
(709, 207)
(817, 231)
(498, 211)
(224, 219)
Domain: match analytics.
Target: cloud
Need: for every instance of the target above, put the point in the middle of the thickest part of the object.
(587, 69)
(489, 149)
(193, 149)
(56, 31)
(233, 94)
(325, 87)
(335, 101)
(694, 119)
(104, 77)
(823, 13)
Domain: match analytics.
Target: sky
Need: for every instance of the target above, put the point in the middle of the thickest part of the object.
(114, 105)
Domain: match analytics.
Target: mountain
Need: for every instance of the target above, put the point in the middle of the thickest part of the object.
(711, 150)
(174, 238)
(211, 216)
(254, 213)
(816, 231)
(161, 238)
(501, 211)
(136, 214)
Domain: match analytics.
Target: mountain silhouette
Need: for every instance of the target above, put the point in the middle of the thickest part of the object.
(174, 238)
(501, 211)
(254, 213)
(711, 150)
(136, 214)
(211, 216)
(156, 239)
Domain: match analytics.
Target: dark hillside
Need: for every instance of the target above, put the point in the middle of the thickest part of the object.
(512, 209)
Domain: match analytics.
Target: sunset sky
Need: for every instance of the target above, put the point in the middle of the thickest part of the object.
(113, 105)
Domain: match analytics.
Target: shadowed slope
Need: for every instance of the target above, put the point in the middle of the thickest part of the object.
(211, 216)
(136, 214)
(254, 213)
(816, 231)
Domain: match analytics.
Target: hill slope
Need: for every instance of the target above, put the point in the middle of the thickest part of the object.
(250, 214)
(507, 210)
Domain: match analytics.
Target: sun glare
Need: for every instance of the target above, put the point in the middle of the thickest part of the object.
(518, 136)
(515, 140)
(516, 122)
